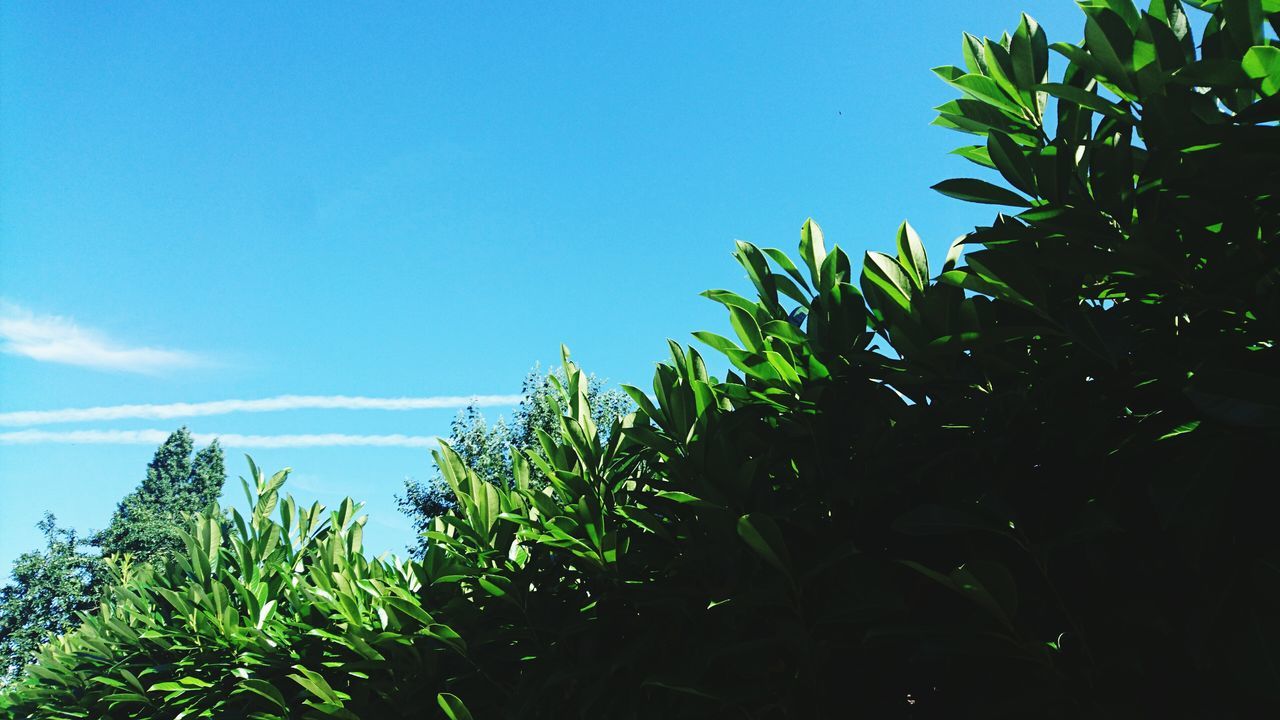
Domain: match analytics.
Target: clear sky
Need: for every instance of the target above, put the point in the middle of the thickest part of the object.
(248, 200)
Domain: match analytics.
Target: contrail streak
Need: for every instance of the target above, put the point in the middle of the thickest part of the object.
(273, 404)
(155, 437)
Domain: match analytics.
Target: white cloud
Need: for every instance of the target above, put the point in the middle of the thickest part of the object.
(223, 407)
(56, 339)
(250, 442)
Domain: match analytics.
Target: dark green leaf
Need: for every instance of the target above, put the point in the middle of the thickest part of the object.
(761, 533)
(911, 255)
(1086, 99)
(453, 706)
(980, 191)
(1012, 162)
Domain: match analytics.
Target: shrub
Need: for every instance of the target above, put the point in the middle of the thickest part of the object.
(275, 618)
(1027, 486)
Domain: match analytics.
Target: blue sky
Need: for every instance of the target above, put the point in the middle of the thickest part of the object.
(249, 200)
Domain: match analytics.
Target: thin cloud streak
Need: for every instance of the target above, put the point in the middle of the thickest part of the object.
(273, 404)
(249, 442)
(56, 339)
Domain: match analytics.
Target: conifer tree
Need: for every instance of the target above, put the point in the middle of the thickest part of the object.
(146, 522)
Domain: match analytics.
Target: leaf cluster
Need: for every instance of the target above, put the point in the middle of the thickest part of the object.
(487, 447)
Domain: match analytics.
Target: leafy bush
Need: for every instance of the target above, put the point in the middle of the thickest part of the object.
(1026, 487)
(274, 619)
(487, 448)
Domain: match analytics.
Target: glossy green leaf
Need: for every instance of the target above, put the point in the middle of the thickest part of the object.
(977, 154)
(1000, 67)
(813, 249)
(887, 274)
(787, 266)
(315, 683)
(1086, 99)
(911, 255)
(953, 254)
(1029, 52)
(1262, 63)
(453, 706)
(1011, 162)
(1181, 430)
(974, 54)
(744, 324)
(980, 88)
(717, 342)
(264, 689)
(1110, 44)
(761, 533)
(980, 191)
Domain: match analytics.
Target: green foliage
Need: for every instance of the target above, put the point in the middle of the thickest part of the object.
(1025, 487)
(539, 409)
(147, 523)
(280, 616)
(486, 448)
(48, 588)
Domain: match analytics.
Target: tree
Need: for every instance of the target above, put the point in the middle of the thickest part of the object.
(487, 448)
(147, 521)
(48, 588)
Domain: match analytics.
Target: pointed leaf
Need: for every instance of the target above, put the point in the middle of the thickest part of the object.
(1086, 99)
(980, 191)
(812, 248)
(1012, 162)
(975, 58)
(453, 706)
(761, 533)
(912, 256)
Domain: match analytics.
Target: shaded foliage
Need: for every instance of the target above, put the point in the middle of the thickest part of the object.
(1025, 486)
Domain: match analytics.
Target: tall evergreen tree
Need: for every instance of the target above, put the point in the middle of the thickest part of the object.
(208, 475)
(147, 520)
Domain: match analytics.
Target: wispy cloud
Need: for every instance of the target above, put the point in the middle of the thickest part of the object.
(56, 339)
(273, 404)
(155, 437)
